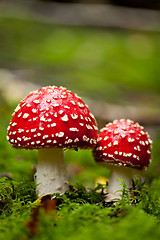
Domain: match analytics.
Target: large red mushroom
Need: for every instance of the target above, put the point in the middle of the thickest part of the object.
(52, 119)
(125, 148)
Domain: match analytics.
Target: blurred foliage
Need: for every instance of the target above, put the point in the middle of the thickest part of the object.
(154, 167)
(94, 61)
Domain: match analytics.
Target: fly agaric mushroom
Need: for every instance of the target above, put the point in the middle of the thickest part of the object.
(125, 148)
(52, 119)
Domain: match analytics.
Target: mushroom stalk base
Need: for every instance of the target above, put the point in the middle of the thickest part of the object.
(51, 176)
(115, 186)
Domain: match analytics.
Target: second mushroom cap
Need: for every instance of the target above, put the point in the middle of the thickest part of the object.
(124, 142)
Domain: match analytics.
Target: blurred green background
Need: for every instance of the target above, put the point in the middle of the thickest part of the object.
(112, 66)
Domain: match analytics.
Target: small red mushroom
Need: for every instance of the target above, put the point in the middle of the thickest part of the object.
(52, 119)
(125, 148)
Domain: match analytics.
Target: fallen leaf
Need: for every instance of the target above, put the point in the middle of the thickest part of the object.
(45, 203)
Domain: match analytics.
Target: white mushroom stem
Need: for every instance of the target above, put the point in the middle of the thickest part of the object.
(115, 186)
(51, 176)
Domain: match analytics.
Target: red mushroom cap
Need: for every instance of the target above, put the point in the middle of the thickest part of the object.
(52, 117)
(123, 142)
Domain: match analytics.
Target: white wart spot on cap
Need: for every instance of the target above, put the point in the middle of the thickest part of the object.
(65, 118)
(53, 124)
(17, 108)
(25, 115)
(115, 143)
(73, 129)
(42, 119)
(131, 140)
(36, 101)
(60, 134)
(81, 105)
(14, 124)
(85, 138)
(34, 110)
(74, 116)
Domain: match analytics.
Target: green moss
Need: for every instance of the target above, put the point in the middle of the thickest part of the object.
(95, 222)
(80, 213)
(80, 195)
(15, 197)
(148, 200)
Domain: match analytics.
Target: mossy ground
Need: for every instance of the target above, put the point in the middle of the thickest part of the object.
(79, 214)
